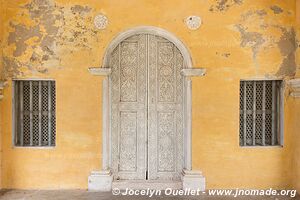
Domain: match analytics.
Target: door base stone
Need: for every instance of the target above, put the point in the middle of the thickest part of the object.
(103, 181)
(193, 180)
(147, 184)
(100, 181)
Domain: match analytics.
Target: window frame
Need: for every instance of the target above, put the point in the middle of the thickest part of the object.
(281, 113)
(14, 129)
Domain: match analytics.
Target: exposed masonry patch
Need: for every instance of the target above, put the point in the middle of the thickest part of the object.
(261, 13)
(21, 35)
(78, 29)
(254, 40)
(255, 15)
(276, 9)
(224, 5)
(225, 55)
(80, 9)
(288, 46)
(54, 27)
(286, 43)
(10, 67)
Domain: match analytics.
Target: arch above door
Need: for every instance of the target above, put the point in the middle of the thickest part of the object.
(152, 31)
(103, 180)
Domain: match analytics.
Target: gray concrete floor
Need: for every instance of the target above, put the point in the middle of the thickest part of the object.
(85, 195)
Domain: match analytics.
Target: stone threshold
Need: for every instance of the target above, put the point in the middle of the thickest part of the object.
(145, 184)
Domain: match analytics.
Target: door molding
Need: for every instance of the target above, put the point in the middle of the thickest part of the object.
(187, 72)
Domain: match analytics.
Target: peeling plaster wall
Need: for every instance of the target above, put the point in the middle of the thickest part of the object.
(297, 25)
(238, 39)
(294, 105)
(1, 74)
(295, 110)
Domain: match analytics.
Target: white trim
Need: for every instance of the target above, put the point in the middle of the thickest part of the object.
(148, 30)
(100, 71)
(106, 124)
(188, 124)
(295, 87)
(2, 85)
(33, 79)
(193, 72)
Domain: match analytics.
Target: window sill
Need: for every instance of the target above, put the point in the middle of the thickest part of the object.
(262, 147)
(32, 147)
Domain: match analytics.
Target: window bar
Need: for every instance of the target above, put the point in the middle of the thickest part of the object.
(21, 114)
(40, 113)
(254, 112)
(273, 112)
(49, 113)
(264, 113)
(30, 113)
(245, 113)
(16, 112)
(278, 114)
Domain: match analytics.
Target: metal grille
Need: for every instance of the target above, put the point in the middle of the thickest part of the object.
(34, 107)
(259, 113)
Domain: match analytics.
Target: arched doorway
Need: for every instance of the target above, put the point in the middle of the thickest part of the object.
(146, 107)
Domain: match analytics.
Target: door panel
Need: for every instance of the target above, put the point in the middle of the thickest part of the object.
(165, 145)
(147, 109)
(129, 109)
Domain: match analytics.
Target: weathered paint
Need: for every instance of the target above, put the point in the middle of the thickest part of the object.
(276, 9)
(295, 107)
(1, 78)
(238, 39)
(224, 5)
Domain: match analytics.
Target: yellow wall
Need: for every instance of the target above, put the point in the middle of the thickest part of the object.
(295, 107)
(237, 40)
(1, 40)
(295, 126)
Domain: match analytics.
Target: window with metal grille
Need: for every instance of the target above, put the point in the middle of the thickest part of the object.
(34, 113)
(260, 113)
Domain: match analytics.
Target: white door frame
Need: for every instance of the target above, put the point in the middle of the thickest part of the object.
(188, 71)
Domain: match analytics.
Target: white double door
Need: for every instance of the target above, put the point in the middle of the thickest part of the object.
(146, 109)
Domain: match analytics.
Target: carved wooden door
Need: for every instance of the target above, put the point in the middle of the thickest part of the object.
(129, 108)
(165, 105)
(146, 109)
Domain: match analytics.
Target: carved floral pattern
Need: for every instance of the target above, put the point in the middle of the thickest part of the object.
(129, 66)
(193, 22)
(100, 21)
(128, 136)
(166, 147)
(128, 108)
(166, 77)
(165, 110)
(147, 95)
